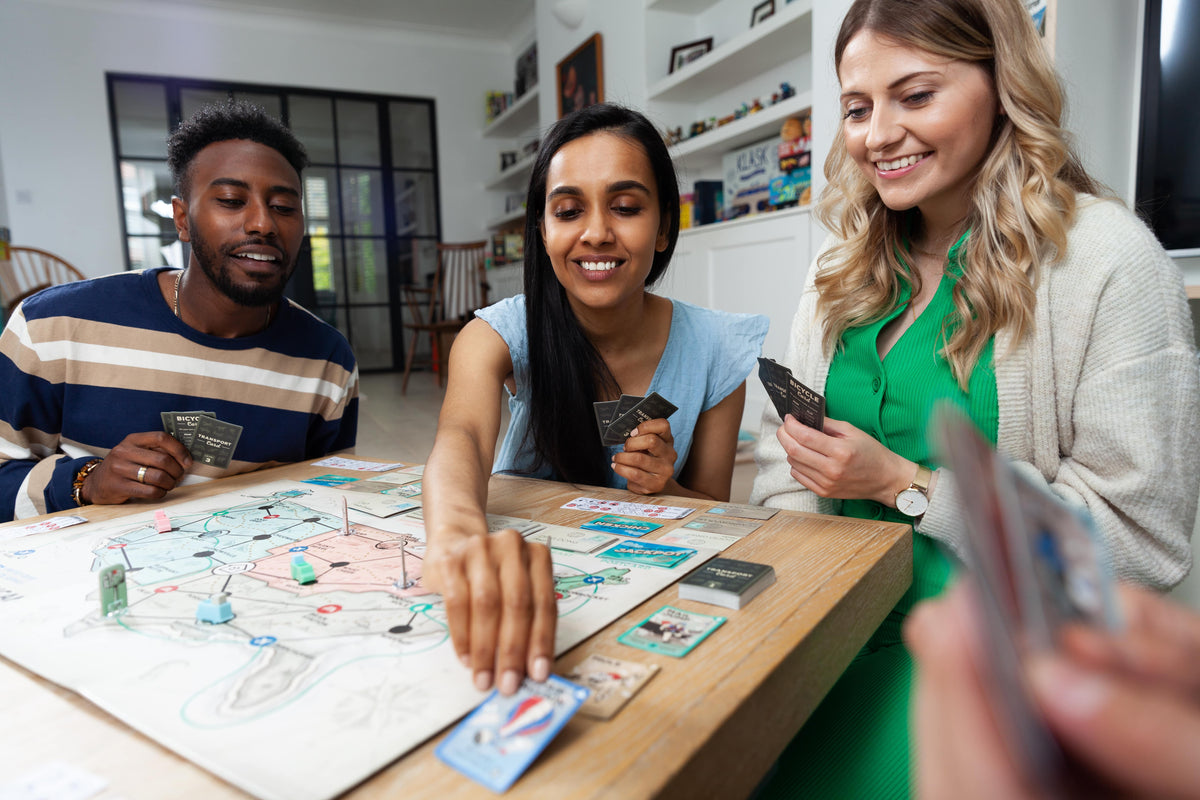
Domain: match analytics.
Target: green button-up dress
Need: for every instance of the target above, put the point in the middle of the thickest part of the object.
(856, 744)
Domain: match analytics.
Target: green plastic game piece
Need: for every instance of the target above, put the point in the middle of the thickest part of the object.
(114, 597)
(302, 571)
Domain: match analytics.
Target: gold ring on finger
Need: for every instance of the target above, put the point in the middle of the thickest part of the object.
(141, 475)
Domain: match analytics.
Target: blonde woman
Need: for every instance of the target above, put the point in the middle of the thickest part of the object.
(972, 260)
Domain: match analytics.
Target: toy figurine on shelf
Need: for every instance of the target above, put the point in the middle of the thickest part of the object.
(793, 185)
(758, 106)
(786, 91)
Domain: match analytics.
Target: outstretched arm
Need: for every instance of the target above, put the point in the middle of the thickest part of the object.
(498, 588)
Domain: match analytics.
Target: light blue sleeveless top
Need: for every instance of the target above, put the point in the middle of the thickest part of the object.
(708, 355)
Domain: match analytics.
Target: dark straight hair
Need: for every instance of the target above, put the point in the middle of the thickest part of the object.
(566, 373)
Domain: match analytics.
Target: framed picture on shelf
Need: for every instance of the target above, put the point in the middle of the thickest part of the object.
(761, 11)
(580, 77)
(687, 53)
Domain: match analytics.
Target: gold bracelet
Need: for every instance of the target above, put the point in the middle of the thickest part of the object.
(80, 477)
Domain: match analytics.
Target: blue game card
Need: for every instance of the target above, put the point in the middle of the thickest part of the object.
(658, 555)
(626, 526)
(498, 741)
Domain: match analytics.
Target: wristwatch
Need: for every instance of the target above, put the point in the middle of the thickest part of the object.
(914, 501)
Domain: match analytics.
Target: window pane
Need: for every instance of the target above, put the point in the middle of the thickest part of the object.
(416, 211)
(142, 126)
(321, 201)
(371, 336)
(312, 122)
(191, 100)
(267, 102)
(146, 196)
(148, 251)
(362, 202)
(412, 135)
(368, 276)
(358, 132)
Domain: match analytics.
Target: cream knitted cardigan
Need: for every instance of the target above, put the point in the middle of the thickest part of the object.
(1101, 402)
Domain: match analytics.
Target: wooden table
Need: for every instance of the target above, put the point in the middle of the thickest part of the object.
(709, 725)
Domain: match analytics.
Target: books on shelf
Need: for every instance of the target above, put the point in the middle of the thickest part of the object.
(727, 582)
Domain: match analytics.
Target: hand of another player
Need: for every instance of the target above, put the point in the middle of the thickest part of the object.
(498, 591)
(1124, 706)
(843, 462)
(648, 463)
(116, 479)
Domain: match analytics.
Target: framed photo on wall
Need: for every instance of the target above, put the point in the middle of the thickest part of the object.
(580, 77)
(761, 11)
(687, 53)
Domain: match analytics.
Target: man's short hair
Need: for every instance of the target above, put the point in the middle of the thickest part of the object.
(220, 122)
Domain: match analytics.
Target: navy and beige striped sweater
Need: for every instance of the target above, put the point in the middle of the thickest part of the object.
(85, 364)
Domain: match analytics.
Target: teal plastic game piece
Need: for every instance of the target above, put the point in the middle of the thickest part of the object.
(302, 571)
(114, 596)
(215, 609)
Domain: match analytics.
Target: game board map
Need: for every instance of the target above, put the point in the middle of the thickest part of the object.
(309, 689)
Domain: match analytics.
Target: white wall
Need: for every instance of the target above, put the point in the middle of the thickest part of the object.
(56, 152)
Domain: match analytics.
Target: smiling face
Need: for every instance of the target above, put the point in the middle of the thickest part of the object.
(242, 217)
(917, 124)
(601, 224)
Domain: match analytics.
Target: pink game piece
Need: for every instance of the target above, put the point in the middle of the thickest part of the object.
(162, 521)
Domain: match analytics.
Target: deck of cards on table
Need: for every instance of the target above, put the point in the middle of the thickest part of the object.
(727, 582)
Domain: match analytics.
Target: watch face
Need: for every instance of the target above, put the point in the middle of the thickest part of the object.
(912, 502)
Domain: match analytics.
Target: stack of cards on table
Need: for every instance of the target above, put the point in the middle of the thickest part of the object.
(498, 741)
(617, 418)
(727, 582)
(208, 439)
(790, 396)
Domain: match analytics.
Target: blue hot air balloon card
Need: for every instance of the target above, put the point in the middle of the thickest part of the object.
(498, 741)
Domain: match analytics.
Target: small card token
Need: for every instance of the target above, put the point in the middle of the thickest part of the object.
(743, 511)
(612, 682)
(671, 631)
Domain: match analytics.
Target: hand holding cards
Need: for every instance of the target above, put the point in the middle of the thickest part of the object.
(790, 396)
(1037, 565)
(208, 439)
(616, 419)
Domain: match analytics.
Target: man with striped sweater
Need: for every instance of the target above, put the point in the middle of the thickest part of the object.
(87, 368)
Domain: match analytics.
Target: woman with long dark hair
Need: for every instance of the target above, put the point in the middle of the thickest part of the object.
(602, 220)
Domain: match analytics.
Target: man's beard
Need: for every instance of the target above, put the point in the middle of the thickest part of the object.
(213, 264)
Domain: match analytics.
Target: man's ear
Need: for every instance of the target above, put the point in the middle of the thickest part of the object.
(179, 212)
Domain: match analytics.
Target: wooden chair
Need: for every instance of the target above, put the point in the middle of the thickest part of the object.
(29, 270)
(459, 287)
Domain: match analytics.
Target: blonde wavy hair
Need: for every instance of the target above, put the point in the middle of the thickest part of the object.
(1022, 202)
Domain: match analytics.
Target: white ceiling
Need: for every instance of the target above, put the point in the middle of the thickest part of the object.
(489, 19)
